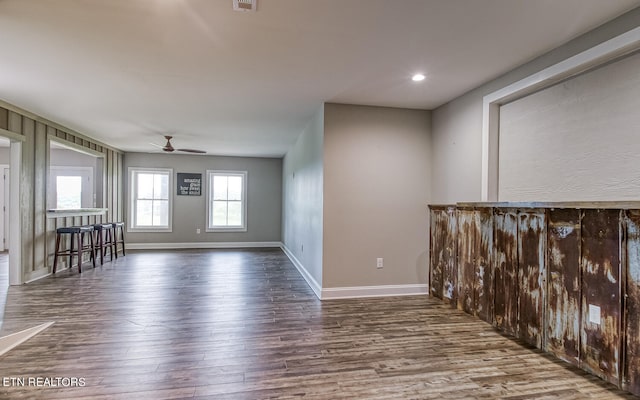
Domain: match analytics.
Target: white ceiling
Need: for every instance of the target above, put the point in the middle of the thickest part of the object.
(127, 72)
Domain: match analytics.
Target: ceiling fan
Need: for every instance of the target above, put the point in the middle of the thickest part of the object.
(168, 147)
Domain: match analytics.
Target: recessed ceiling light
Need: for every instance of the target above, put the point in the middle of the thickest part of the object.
(417, 77)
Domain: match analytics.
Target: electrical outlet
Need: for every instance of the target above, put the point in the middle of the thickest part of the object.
(198, 231)
(380, 263)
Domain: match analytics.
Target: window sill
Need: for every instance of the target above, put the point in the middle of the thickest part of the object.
(220, 230)
(76, 212)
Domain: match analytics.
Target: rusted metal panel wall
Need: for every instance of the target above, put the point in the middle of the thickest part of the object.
(468, 249)
(531, 275)
(631, 381)
(601, 293)
(443, 247)
(505, 262)
(484, 284)
(563, 285)
(450, 265)
(437, 250)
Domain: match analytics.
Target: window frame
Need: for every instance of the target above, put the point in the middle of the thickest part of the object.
(87, 189)
(209, 201)
(133, 196)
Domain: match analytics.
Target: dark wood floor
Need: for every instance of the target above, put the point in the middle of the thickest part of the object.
(240, 324)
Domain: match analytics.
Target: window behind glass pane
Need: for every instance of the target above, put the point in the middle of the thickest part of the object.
(226, 201)
(150, 203)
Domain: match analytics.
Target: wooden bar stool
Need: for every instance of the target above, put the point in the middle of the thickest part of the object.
(104, 240)
(118, 236)
(77, 238)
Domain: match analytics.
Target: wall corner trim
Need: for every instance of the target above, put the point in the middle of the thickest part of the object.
(313, 284)
(374, 291)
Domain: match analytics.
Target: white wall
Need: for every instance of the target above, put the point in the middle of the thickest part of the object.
(264, 198)
(302, 176)
(457, 125)
(376, 192)
(576, 141)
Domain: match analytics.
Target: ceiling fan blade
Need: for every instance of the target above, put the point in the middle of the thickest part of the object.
(156, 145)
(193, 151)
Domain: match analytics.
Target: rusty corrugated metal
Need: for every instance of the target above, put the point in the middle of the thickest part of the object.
(442, 252)
(563, 286)
(484, 268)
(601, 293)
(436, 251)
(505, 266)
(531, 275)
(468, 248)
(450, 265)
(631, 381)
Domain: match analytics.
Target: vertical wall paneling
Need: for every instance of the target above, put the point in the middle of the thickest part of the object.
(563, 285)
(531, 275)
(27, 196)
(468, 248)
(38, 231)
(484, 289)
(437, 253)
(40, 248)
(601, 297)
(4, 118)
(631, 381)
(108, 166)
(505, 261)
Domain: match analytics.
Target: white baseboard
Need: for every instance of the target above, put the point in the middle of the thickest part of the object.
(374, 291)
(201, 245)
(313, 284)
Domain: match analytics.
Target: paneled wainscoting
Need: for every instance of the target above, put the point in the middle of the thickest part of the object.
(243, 324)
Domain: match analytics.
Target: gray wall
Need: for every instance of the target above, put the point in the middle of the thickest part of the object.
(5, 156)
(71, 158)
(264, 198)
(376, 191)
(457, 125)
(303, 198)
(578, 140)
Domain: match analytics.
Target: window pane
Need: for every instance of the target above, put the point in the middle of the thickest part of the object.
(143, 212)
(68, 192)
(145, 186)
(161, 186)
(219, 187)
(220, 213)
(235, 188)
(161, 213)
(235, 213)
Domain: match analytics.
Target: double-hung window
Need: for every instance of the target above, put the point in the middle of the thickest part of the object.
(227, 201)
(151, 199)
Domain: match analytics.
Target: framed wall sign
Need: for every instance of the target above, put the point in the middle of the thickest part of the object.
(189, 184)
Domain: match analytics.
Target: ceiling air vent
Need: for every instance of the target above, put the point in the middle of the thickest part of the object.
(244, 5)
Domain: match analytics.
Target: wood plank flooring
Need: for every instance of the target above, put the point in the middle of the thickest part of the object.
(243, 324)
